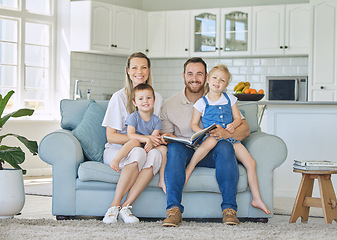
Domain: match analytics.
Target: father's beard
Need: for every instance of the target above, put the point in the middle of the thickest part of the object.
(196, 89)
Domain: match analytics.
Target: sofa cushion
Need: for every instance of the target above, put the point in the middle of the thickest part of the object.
(250, 111)
(90, 132)
(72, 112)
(202, 179)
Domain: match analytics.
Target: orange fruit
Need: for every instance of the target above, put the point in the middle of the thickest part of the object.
(260, 91)
(247, 90)
(253, 91)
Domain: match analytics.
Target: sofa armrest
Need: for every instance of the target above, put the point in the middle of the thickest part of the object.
(269, 151)
(63, 151)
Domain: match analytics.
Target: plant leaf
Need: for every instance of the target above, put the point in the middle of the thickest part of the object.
(4, 101)
(30, 145)
(12, 155)
(19, 113)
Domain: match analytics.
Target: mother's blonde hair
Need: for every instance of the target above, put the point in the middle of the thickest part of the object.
(128, 82)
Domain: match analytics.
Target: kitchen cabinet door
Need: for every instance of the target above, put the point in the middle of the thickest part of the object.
(281, 30)
(205, 40)
(177, 33)
(268, 30)
(236, 31)
(101, 28)
(123, 34)
(140, 41)
(156, 34)
(323, 61)
(91, 26)
(297, 29)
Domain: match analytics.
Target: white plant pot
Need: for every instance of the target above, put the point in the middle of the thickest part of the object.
(12, 192)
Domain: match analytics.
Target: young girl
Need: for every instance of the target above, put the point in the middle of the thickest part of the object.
(142, 127)
(221, 108)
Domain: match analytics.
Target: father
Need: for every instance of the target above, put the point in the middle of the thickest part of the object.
(176, 117)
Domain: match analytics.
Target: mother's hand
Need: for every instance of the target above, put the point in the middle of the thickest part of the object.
(219, 133)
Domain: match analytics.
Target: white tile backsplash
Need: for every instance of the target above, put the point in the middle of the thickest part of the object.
(108, 72)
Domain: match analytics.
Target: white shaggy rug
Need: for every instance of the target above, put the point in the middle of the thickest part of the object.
(14, 229)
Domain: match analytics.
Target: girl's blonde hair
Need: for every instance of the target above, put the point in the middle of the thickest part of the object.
(128, 82)
(221, 68)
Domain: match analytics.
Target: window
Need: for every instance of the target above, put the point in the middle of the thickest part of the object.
(27, 53)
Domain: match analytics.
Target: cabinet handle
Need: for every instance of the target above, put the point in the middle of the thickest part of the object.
(113, 45)
(186, 49)
(322, 87)
(221, 48)
(147, 50)
(285, 47)
(281, 47)
(216, 48)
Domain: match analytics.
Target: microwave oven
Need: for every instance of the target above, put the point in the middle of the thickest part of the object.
(287, 88)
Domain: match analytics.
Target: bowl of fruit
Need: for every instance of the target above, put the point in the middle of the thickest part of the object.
(244, 92)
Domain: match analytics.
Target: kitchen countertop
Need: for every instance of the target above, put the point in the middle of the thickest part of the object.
(266, 102)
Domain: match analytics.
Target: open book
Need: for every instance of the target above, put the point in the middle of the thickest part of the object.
(194, 140)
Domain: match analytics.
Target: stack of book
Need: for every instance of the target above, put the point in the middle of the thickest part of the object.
(315, 165)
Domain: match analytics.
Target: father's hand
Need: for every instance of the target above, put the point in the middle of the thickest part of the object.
(219, 133)
(166, 134)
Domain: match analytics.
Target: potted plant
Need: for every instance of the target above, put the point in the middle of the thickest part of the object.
(12, 194)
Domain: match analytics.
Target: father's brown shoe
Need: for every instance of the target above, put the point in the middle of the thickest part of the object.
(229, 217)
(173, 217)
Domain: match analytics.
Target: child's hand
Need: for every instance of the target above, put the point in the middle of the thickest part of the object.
(114, 165)
(148, 145)
(156, 140)
(230, 128)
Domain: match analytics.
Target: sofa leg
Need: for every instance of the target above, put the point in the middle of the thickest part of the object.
(256, 220)
(62, 217)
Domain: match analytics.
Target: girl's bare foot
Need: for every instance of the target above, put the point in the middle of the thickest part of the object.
(162, 185)
(258, 203)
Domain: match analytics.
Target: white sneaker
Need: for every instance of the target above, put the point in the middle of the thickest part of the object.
(126, 216)
(111, 215)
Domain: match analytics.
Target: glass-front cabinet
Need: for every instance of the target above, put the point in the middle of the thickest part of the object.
(205, 32)
(236, 31)
(221, 32)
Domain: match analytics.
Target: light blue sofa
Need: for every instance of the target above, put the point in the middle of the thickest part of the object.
(84, 186)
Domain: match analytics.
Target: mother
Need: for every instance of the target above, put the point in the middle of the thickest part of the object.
(137, 166)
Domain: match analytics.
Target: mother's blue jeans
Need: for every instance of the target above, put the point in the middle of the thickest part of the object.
(221, 157)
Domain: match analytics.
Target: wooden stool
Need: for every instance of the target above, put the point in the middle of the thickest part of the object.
(304, 200)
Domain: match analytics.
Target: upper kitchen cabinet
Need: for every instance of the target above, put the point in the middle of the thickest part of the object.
(168, 34)
(140, 42)
(177, 34)
(156, 34)
(205, 28)
(323, 58)
(101, 28)
(281, 30)
(236, 31)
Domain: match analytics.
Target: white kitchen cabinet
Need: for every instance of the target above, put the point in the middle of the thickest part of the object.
(156, 34)
(101, 28)
(236, 31)
(205, 32)
(177, 34)
(323, 59)
(140, 41)
(281, 30)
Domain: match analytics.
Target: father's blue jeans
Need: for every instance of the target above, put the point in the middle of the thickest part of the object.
(221, 157)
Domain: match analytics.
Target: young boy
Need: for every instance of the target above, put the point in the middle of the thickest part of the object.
(143, 129)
